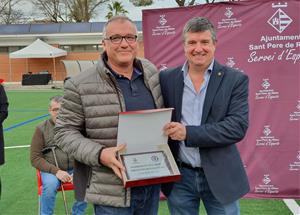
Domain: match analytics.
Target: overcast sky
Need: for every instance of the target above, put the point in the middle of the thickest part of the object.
(135, 13)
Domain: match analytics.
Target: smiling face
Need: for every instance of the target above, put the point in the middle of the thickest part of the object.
(120, 53)
(199, 48)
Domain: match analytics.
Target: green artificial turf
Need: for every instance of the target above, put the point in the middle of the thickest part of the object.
(19, 182)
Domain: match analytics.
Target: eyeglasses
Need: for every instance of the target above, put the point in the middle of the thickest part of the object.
(54, 109)
(117, 39)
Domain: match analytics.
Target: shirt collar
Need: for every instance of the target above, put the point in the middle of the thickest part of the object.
(51, 121)
(136, 72)
(185, 68)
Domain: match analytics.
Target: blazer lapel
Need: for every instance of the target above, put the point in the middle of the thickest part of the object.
(214, 82)
(178, 93)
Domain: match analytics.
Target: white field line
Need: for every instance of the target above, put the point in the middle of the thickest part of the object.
(14, 147)
(290, 203)
(293, 206)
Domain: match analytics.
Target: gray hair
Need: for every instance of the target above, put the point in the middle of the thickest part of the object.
(199, 24)
(57, 98)
(115, 18)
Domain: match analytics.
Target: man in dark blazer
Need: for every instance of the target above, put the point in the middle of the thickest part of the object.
(3, 116)
(210, 117)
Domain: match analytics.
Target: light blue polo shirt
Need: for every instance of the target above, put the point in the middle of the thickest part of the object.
(192, 107)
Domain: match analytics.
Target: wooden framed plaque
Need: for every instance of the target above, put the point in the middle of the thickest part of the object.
(146, 165)
(147, 158)
(147, 168)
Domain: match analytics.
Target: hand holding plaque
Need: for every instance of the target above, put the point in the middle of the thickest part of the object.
(147, 158)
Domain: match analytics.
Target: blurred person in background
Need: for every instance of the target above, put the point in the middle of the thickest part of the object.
(3, 116)
(42, 158)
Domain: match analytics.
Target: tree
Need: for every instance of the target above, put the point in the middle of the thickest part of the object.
(182, 3)
(83, 10)
(3, 5)
(8, 12)
(53, 10)
(68, 10)
(115, 8)
(139, 3)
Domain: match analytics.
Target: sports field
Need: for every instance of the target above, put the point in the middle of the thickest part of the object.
(19, 189)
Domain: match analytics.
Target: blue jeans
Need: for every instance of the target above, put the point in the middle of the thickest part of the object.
(144, 201)
(186, 195)
(50, 186)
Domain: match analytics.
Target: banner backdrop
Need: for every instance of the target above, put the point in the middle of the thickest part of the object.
(262, 39)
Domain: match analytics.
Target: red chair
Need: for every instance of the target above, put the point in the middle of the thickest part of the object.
(66, 186)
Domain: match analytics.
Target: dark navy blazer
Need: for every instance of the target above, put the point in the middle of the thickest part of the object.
(224, 123)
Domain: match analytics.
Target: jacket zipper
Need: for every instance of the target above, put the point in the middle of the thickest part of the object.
(125, 199)
(117, 91)
(118, 95)
(89, 177)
